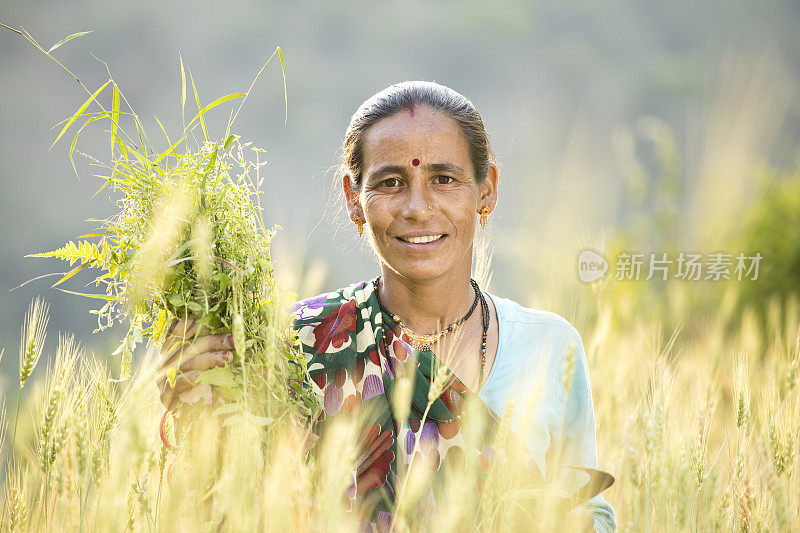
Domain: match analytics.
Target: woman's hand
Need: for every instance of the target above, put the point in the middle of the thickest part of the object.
(187, 349)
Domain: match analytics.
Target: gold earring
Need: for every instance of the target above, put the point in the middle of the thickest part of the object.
(484, 215)
(359, 224)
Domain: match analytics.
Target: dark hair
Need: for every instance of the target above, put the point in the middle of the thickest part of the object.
(405, 96)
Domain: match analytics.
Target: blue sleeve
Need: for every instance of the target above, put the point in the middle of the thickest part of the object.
(577, 436)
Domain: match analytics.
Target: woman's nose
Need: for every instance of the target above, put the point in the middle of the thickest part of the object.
(417, 202)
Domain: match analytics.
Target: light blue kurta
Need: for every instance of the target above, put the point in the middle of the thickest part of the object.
(529, 368)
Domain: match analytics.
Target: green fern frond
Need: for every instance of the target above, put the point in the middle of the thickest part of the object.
(84, 251)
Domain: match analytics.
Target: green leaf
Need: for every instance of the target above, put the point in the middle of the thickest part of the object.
(120, 347)
(262, 420)
(199, 109)
(83, 251)
(285, 92)
(171, 149)
(159, 326)
(285, 95)
(80, 110)
(134, 174)
(95, 296)
(183, 86)
(212, 160)
(246, 417)
(67, 38)
(215, 103)
(228, 408)
(172, 373)
(139, 128)
(115, 122)
(220, 376)
(87, 115)
(231, 394)
(70, 274)
(103, 186)
(75, 140)
(164, 131)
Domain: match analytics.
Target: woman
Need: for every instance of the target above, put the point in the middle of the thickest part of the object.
(418, 174)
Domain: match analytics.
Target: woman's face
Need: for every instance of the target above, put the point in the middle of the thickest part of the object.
(413, 160)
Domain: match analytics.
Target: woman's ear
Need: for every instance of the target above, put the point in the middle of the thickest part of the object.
(489, 187)
(351, 197)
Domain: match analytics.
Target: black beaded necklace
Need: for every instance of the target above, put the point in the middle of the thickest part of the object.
(425, 342)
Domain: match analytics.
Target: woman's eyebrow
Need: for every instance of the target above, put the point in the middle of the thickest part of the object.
(385, 171)
(403, 171)
(443, 167)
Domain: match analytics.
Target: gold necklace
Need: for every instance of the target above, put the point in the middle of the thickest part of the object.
(425, 342)
(422, 341)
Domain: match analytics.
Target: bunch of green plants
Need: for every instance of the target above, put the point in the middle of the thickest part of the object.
(188, 242)
(773, 230)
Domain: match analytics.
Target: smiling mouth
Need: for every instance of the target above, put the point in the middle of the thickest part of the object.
(422, 240)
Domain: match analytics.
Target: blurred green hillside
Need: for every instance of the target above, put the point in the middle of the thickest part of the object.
(578, 98)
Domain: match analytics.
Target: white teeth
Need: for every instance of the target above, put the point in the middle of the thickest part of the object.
(422, 240)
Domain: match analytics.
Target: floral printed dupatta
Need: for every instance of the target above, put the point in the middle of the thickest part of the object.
(355, 355)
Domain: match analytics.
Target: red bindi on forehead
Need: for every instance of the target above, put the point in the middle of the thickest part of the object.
(415, 162)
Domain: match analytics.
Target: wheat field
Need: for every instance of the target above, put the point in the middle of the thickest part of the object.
(695, 396)
(701, 434)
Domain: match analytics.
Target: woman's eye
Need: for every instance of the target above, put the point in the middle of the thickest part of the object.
(444, 180)
(390, 182)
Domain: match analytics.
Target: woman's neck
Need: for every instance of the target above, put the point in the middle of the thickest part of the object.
(427, 306)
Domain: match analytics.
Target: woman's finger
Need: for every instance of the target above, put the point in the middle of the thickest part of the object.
(182, 383)
(198, 395)
(170, 339)
(207, 360)
(201, 362)
(196, 399)
(209, 343)
(181, 322)
(310, 441)
(195, 405)
(185, 329)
